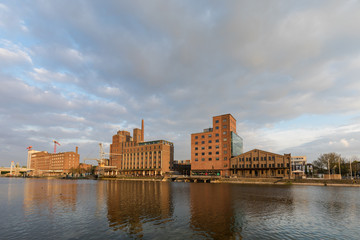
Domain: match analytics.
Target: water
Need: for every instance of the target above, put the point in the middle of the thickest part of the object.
(82, 209)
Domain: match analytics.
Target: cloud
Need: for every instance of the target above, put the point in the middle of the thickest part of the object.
(12, 54)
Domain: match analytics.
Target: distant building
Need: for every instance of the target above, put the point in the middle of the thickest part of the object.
(133, 156)
(44, 163)
(298, 166)
(182, 166)
(212, 149)
(261, 164)
(28, 163)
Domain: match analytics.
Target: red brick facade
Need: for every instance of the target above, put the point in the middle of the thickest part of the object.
(211, 149)
(132, 156)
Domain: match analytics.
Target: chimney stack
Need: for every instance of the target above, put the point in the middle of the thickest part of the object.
(76, 149)
(142, 130)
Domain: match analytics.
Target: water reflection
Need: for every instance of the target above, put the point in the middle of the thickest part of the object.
(132, 204)
(49, 196)
(212, 214)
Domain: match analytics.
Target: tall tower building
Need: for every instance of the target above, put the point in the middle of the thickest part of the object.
(212, 149)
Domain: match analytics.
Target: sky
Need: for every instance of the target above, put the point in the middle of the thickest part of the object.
(79, 71)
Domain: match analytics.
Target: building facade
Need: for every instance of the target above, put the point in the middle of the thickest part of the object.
(54, 163)
(133, 156)
(261, 164)
(212, 149)
(298, 166)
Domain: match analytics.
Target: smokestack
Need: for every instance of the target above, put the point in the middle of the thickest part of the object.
(142, 130)
(76, 150)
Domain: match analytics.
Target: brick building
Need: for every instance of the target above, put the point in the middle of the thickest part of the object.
(262, 164)
(212, 149)
(133, 156)
(54, 163)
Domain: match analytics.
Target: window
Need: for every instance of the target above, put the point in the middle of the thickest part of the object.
(196, 159)
(225, 165)
(196, 143)
(217, 152)
(217, 121)
(202, 136)
(210, 153)
(202, 153)
(203, 159)
(196, 154)
(225, 152)
(217, 140)
(209, 135)
(196, 148)
(224, 132)
(225, 139)
(225, 158)
(216, 135)
(217, 127)
(210, 159)
(209, 147)
(225, 145)
(202, 142)
(202, 148)
(224, 120)
(209, 141)
(224, 126)
(217, 159)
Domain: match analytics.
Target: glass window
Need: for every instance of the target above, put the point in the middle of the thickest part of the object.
(210, 153)
(224, 132)
(209, 147)
(196, 148)
(196, 154)
(209, 135)
(202, 153)
(216, 121)
(217, 152)
(209, 141)
(202, 136)
(203, 159)
(216, 135)
(196, 159)
(196, 143)
(202, 142)
(224, 120)
(224, 126)
(225, 139)
(217, 127)
(217, 140)
(202, 148)
(210, 159)
(225, 152)
(217, 159)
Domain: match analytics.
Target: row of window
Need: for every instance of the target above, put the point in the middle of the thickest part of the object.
(217, 140)
(210, 147)
(249, 159)
(143, 153)
(210, 153)
(210, 159)
(272, 172)
(259, 165)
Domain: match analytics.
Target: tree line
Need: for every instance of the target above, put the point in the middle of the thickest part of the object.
(329, 162)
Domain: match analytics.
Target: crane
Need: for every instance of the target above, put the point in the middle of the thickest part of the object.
(102, 160)
(55, 142)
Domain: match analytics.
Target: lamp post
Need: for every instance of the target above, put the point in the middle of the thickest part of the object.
(339, 167)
